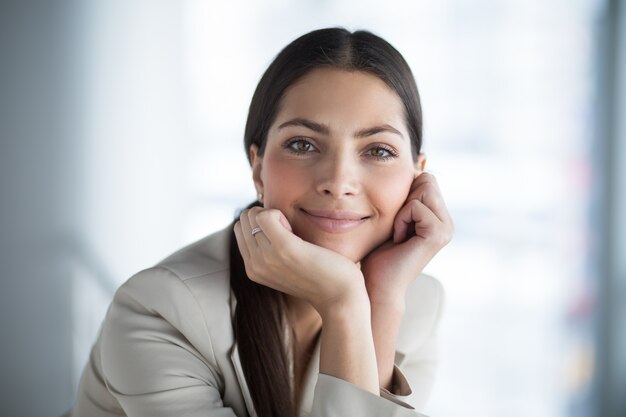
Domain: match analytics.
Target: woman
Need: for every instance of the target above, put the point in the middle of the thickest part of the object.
(312, 302)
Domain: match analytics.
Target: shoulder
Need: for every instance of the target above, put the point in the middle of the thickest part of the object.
(199, 267)
(206, 256)
(424, 306)
(425, 294)
(190, 290)
(206, 260)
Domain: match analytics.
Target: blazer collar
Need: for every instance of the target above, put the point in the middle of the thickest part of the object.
(309, 382)
(245, 391)
(307, 389)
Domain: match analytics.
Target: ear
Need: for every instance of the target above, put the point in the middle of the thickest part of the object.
(420, 164)
(256, 161)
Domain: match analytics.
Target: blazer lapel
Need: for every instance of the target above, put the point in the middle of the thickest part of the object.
(245, 391)
(309, 382)
(310, 379)
(236, 361)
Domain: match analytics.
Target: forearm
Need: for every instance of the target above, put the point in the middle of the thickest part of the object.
(386, 318)
(347, 348)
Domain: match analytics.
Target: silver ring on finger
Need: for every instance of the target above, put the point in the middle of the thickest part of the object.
(256, 230)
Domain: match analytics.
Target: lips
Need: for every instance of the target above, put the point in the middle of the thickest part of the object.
(335, 221)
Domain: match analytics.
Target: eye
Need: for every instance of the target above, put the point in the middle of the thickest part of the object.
(299, 146)
(381, 153)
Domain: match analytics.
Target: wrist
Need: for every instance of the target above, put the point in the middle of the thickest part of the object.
(390, 313)
(352, 306)
(347, 349)
(388, 299)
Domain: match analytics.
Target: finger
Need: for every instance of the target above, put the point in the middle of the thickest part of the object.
(426, 189)
(421, 183)
(276, 227)
(285, 222)
(249, 261)
(246, 231)
(412, 218)
(249, 246)
(241, 242)
(260, 238)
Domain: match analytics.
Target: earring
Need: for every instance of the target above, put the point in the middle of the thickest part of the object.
(260, 197)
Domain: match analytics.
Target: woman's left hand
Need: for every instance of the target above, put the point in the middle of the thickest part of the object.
(421, 228)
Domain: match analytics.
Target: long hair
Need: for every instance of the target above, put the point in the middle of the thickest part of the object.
(260, 314)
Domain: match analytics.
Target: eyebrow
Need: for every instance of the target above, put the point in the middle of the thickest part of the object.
(324, 130)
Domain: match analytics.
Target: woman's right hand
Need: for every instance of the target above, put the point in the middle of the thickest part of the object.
(279, 259)
(330, 282)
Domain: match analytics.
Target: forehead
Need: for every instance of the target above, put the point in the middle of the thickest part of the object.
(338, 97)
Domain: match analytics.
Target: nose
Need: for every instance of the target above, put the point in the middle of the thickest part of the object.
(338, 176)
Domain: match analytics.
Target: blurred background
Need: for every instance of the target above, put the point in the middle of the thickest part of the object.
(121, 126)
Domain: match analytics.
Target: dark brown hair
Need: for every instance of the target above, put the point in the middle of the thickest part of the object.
(260, 314)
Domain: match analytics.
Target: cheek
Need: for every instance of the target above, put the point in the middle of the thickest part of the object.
(390, 192)
(282, 184)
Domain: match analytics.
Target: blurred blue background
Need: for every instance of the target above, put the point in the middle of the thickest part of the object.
(121, 126)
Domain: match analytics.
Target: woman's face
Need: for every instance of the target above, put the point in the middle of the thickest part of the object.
(338, 160)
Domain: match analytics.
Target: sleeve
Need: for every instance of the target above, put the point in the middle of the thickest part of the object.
(414, 371)
(149, 365)
(335, 397)
(413, 376)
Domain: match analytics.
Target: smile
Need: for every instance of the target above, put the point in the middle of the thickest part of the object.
(334, 221)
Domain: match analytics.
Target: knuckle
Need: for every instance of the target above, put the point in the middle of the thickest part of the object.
(426, 176)
(429, 186)
(442, 239)
(268, 216)
(446, 236)
(415, 205)
(251, 214)
(254, 272)
(262, 215)
(249, 270)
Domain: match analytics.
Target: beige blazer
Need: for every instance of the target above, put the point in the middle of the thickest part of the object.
(166, 348)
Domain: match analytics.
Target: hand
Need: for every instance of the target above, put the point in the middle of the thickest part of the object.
(279, 259)
(421, 228)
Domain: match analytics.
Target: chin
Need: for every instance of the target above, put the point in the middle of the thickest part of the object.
(354, 254)
(350, 249)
